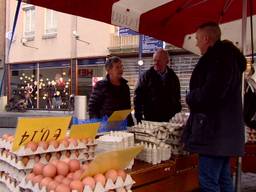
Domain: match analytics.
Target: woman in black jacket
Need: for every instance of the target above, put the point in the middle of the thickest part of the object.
(112, 93)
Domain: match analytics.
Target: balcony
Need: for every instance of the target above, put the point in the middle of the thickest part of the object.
(123, 44)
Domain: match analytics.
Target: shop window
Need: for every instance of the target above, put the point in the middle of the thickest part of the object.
(49, 89)
(29, 22)
(50, 26)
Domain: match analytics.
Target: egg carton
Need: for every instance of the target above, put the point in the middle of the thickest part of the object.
(13, 172)
(19, 161)
(25, 152)
(5, 144)
(10, 184)
(110, 185)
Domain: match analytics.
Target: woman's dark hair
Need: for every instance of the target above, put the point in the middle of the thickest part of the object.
(109, 62)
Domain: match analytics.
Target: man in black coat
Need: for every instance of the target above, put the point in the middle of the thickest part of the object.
(112, 93)
(215, 128)
(157, 94)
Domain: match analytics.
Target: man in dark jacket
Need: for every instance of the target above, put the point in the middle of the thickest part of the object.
(157, 94)
(112, 93)
(215, 128)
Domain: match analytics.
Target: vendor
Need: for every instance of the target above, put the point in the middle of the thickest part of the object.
(112, 93)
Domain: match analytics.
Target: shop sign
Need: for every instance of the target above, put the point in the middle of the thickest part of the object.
(54, 64)
(82, 131)
(100, 61)
(150, 44)
(40, 129)
(124, 31)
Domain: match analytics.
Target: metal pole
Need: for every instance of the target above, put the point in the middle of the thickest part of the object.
(140, 51)
(239, 159)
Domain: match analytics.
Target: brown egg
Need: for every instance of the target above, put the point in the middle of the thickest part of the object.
(111, 174)
(67, 154)
(10, 138)
(54, 143)
(5, 136)
(76, 185)
(121, 173)
(37, 158)
(62, 188)
(64, 142)
(52, 185)
(49, 170)
(89, 181)
(74, 165)
(45, 181)
(25, 160)
(37, 179)
(38, 168)
(59, 178)
(48, 156)
(122, 190)
(62, 168)
(58, 155)
(32, 146)
(70, 175)
(55, 162)
(73, 142)
(30, 176)
(77, 175)
(43, 144)
(100, 178)
(66, 181)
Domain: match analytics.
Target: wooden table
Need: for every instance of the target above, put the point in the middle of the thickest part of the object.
(180, 174)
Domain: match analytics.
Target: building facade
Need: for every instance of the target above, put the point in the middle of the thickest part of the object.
(55, 56)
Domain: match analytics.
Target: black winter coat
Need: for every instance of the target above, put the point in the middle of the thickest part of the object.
(156, 98)
(215, 126)
(107, 98)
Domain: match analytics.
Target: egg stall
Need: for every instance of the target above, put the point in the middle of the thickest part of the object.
(43, 157)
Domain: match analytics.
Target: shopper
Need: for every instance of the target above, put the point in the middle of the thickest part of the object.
(157, 94)
(215, 128)
(112, 93)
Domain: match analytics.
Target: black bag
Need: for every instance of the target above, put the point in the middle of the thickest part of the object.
(250, 107)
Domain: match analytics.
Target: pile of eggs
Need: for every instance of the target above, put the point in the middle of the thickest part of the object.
(65, 176)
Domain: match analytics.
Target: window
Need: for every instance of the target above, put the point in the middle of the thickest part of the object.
(50, 22)
(29, 22)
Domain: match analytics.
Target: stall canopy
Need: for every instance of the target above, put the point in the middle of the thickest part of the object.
(170, 20)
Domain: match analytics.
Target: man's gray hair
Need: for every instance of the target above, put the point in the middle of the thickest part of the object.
(109, 62)
(212, 29)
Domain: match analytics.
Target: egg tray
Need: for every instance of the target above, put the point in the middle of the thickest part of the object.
(25, 152)
(18, 162)
(110, 185)
(9, 183)
(13, 172)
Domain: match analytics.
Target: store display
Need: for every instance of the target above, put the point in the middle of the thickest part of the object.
(160, 139)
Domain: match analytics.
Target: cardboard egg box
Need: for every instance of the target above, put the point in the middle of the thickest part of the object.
(13, 171)
(23, 151)
(110, 185)
(10, 183)
(27, 162)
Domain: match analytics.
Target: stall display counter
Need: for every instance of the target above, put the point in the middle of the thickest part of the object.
(177, 175)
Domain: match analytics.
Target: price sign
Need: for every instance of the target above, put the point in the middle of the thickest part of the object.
(40, 129)
(83, 131)
(112, 160)
(119, 115)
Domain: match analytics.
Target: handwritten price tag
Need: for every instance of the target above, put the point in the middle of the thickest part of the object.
(83, 131)
(40, 129)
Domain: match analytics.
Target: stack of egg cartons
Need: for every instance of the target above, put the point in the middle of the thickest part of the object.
(15, 165)
(115, 140)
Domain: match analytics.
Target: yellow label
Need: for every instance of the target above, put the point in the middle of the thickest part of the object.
(119, 115)
(40, 129)
(112, 160)
(84, 130)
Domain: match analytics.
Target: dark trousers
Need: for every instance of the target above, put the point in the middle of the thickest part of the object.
(214, 174)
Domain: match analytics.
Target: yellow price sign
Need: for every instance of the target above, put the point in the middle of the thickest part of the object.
(119, 115)
(40, 129)
(83, 131)
(112, 160)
